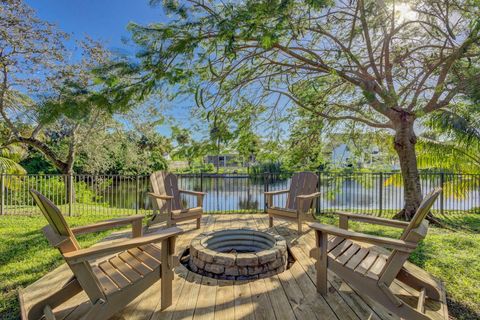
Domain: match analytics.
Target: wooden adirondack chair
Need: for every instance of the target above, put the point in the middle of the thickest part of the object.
(166, 199)
(372, 269)
(300, 198)
(112, 275)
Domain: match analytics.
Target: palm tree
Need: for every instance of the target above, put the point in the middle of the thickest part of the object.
(9, 158)
(452, 142)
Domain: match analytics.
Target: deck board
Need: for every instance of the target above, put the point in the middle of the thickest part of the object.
(290, 295)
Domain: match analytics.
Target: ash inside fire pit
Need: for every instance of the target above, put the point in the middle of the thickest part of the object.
(238, 254)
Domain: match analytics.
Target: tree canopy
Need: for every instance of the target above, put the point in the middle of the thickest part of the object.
(382, 64)
(49, 101)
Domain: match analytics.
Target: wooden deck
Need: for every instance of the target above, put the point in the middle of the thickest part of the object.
(290, 295)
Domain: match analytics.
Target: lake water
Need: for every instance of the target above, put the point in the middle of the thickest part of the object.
(233, 193)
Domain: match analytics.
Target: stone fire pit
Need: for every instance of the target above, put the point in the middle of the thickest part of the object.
(238, 254)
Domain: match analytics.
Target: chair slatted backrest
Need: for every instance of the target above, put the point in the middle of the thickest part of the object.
(61, 236)
(56, 222)
(422, 211)
(414, 232)
(165, 183)
(303, 183)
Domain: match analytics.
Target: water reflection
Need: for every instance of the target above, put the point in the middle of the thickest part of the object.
(243, 193)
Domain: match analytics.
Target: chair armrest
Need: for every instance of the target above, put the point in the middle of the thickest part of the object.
(305, 197)
(276, 192)
(160, 196)
(95, 252)
(108, 224)
(309, 196)
(193, 193)
(380, 241)
(199, 195)
(269, 196)
(371, 219)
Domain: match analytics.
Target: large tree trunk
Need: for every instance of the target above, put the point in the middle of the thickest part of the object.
(404, 143)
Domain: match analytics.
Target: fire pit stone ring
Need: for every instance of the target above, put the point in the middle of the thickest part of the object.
(238, 254)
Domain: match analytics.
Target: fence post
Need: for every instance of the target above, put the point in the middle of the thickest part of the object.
(137, 200)
(201, 181)
(70, 193)
(265, 189)
(380, 195)
(2, 188)
(442, 197)
(69, 189)
(317, 207)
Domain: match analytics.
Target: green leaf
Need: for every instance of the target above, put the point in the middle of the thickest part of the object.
(267, 42)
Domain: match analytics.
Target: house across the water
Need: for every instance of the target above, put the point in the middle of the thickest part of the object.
(228, 160)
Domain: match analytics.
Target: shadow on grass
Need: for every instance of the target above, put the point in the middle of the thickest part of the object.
(461, 221)
(24, 257)
(17, 247)
(460, 311)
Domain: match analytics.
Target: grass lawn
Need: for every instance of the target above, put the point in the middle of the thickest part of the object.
(453, 256)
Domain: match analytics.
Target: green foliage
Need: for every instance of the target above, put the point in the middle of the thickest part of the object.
(365, 62)
(35, 162)
(181, 135)
(53, 187)
(131, 153)
(9, 161)
(132, 145)
(61, 105)
(245, 118)
(452, 142)
(462, 124)
(395, 180)
(198, 167)
(306, 144)
(79, 102)
(318, 4)
(190, 150)
(261, 168)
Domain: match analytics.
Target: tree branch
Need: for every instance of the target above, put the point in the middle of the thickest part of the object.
(329, 117)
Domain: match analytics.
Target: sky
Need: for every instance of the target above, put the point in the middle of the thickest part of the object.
(106, 21)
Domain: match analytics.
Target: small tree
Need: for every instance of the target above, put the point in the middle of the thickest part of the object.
(247, 142)
(219, 133)
(187, 148)
(45, 102)
(305, 147)
(29, 50)
(130, 145)
(383, 64)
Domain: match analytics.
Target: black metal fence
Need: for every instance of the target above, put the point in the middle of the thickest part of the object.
(376, 193)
